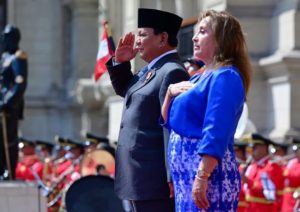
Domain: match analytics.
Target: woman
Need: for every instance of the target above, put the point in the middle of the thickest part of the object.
(202, 115)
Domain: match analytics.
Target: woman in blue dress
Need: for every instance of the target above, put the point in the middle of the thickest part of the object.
(202, 115)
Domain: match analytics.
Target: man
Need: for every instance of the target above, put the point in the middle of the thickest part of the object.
(240, 152)
(263, 177)
(44, 151)
(194, 66)
(92, 141)
(13, 81)
(141, 172)
(291, 194)
(29, 168)
(44, 148)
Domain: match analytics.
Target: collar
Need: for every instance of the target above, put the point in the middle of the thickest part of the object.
(151, 64)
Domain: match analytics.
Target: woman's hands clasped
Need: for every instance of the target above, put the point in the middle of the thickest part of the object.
(199, 193)
(178, 88)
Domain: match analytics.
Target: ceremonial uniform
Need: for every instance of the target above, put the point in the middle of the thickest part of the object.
(44, 148)
(264, 184)
(240, 153)
(93, 142)
(292, 184)
(243, 204)
(29, 167)
(69, 169)
(292, 181)
(13, 82)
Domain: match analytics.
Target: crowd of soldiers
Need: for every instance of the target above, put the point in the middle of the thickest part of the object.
(54, 166)
(270, 173)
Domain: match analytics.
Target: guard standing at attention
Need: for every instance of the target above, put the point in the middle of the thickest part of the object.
(13, 81)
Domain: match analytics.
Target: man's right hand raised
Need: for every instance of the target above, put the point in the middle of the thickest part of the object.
(125, 50)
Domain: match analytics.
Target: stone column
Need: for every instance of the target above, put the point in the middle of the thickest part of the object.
(187, 8)
(84, 36)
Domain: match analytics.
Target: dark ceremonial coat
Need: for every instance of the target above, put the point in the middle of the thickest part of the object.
(141, 171)
(13, 82)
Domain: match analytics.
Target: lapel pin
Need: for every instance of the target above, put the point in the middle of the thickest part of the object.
(148, 77)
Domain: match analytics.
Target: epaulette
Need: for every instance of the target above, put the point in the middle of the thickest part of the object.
(21, 55)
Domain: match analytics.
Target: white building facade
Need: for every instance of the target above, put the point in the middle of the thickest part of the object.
(61, 39)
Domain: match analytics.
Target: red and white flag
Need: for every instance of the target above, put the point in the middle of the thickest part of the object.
(105, 51)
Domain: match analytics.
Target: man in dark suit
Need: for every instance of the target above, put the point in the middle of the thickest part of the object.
(141, 171)
(13, 81)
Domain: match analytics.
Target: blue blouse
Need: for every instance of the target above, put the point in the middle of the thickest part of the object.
(210, 110)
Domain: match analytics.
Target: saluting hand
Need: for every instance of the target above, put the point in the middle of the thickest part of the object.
(125, 50)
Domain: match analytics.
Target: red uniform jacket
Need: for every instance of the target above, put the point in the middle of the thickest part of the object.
(242, 205)
(255, 191)
(292, 183)
(27, 166)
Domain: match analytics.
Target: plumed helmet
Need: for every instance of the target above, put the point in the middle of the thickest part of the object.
(12, 32)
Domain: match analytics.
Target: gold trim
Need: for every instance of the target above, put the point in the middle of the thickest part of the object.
(243, 204)
(279, 192)
(291, 189)
(261, 200)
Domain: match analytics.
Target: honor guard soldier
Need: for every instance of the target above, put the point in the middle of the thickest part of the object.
(240, 152)
(263, 178)
(66, 172)
(280, 149)
(59, 158)
(61, 168)
(75, 150)
(92, 141)
(194, 66)
(291, 193)
(44, 148)
(13, 81)
(29, 167)
(98, 142)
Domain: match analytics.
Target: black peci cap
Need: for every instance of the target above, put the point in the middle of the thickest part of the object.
(157, 19)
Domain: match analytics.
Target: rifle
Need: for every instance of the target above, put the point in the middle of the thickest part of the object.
(5, 141)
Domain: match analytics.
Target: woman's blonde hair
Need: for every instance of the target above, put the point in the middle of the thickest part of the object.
(231, 44)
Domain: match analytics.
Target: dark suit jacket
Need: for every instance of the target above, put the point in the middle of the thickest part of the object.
(141, 171)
